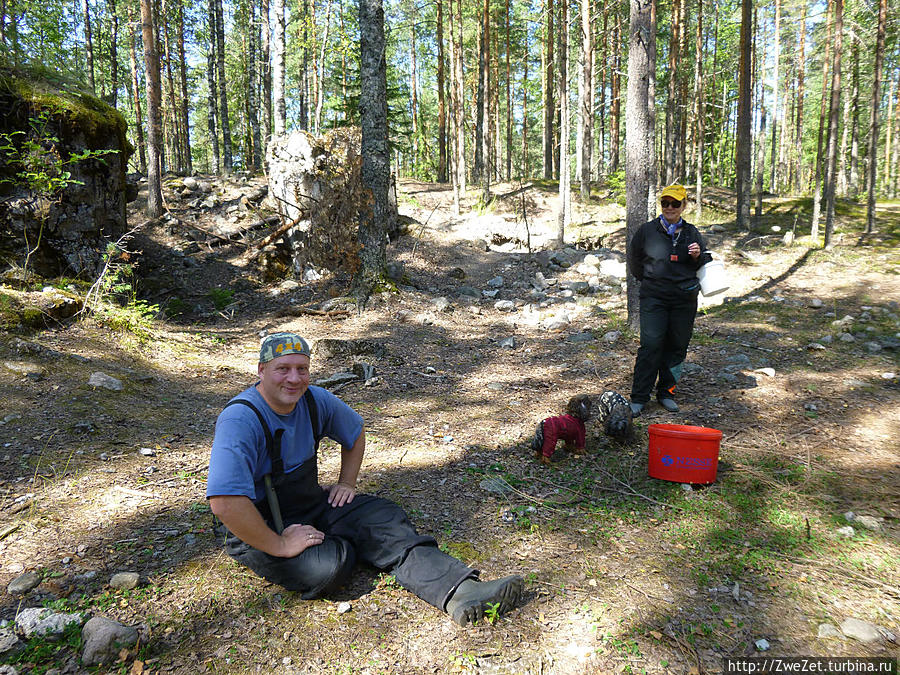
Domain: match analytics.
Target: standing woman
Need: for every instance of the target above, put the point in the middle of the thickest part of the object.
(665, 255)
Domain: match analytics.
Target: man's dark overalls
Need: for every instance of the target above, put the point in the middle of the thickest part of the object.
(373, 529)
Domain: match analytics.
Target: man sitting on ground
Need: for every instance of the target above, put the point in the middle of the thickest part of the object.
(263, 486)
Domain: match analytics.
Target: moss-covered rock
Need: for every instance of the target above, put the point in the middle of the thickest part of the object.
(80, 203)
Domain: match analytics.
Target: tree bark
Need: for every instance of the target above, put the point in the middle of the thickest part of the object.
(547, 90)
(853, 183)
(743, 139)
(760, 161)
(509, 116)
(376, 169)
(798, 127)
(113, 53)
(586, 107)
(458, 105)
(637, 137)
(615, 112)
(653, 162)
(88, 43)
(834, 115)
(817, 187)
(414, 99)
(154, 94)
(252, 88)
(279, 113)
(185, 98)
(672, 141)
(442, 104)
(136, 93)
(773, 177)
(266, 72)
(874, 118)
(224, 123)
(565, 194)
(699, 114)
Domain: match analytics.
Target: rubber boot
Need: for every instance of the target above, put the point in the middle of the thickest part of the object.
(472, 598)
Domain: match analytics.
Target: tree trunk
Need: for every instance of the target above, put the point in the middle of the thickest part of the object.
(320, 73)
(442, 104)
(211, 105)
(154, 94)
(224, 123)
(873, 120)
(615, 95)
(279, 113)
(853, 184)
(136, 93)
(509, 116)
(266, 73)
(547, 90)
(173, 135)
(524, 170)
(743, 140)
(798, 128)
(652, 161)
(672, 146)
(376, 168)
(458, 105)
(185, 98)
(773, 177)
(834, 115)
(586, 108)
(113, 53)
(817, 188)
(88, 44)
(414, 102)
(637, 135)
(699, 114)
(760, 161)
(303, 93)
(485, 94)
(886, 180)
(252, 88)
(565, 194)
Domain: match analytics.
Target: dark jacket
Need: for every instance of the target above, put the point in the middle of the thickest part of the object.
(650, 258)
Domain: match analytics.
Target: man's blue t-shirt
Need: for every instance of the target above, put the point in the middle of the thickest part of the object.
(239, 460)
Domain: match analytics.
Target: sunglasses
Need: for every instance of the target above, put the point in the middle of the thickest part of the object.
(674, 203)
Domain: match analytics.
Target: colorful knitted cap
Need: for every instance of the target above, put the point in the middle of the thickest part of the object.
(282, 344)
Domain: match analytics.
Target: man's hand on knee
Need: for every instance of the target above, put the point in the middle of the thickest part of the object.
(340, 494)
(297, 538)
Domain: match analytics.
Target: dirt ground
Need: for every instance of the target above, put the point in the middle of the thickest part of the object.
(624, 573)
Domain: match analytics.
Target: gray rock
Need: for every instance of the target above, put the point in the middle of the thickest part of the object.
(344, 607)
(846, 337)
(43, 621)
(815, 346)
(24, 583)
(846, 531)
(507, 342)
(578, 286)
(6, 669)
(496, 282)
(147, 452)
(826, 339)
(496, 386)
(8, 640)
(496, 485)
(191, 183)
(98, 379)
(861, 630)
(364, 371)
(490, 294)
(611, 336)
(505, 306)
(556, 323)
(739, 359)
(336, 379)
(104, 639)
(124, 581)
(768, 372)
(826, 630)
(332, 347)
(762, 644)
(869, 522)
(872, 347)
(816, 303)
(468, 291)
(441, 304)
(586, 336)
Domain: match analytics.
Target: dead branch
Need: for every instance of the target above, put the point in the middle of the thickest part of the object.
(277, 233)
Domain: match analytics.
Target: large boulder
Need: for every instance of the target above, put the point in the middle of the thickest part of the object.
(317, 182)
(76, 205)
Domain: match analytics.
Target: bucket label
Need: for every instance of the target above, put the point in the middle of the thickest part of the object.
(687, 462)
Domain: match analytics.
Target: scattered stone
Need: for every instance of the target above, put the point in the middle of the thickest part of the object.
(768, 372)
(860, 630)
(585, 336)
(44, 621)
(869, 522)
(30, 370)
(490, 294)
(849, 516)
(364, 371)
(846, 531)
(191, 183)
(556, 323)
(826, 339)
(739, 359)
(332, 347)
(22, 584)
(826, 630)
(468, 291)
(336, 379)
(457, 273)
(496, 282)
(147, 452)
(872, 347)
(6, 669)
(846, 337)
(8, 640)
(762, 644)
(811, 407)
(496, 386)
(496, 485)
(441, 304)
(124, 581)
(888, 376)
(508, 342)
(815, 346)
(505, 306)
(344, 607)
(816, 303)
(99, 379)
(104, 639)
(687, 487)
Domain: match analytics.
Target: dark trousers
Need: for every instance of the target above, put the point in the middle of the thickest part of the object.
(666, 328)
(371, 529)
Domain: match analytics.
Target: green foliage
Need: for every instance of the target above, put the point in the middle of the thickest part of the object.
(221, 297)
(43, 652)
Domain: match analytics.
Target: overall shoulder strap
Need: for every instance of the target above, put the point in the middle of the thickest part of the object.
(273, 443)
(313, 408)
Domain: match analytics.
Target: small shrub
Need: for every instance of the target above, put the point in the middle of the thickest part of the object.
(221, 297)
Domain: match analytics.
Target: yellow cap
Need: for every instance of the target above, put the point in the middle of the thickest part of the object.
(675, 191)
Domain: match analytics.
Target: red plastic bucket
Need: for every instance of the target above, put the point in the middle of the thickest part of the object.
(683, 454)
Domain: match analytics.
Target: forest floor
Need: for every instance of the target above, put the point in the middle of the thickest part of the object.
(624, 573)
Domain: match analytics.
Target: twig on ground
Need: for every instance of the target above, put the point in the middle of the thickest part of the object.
(422, 230)
(9, 530)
